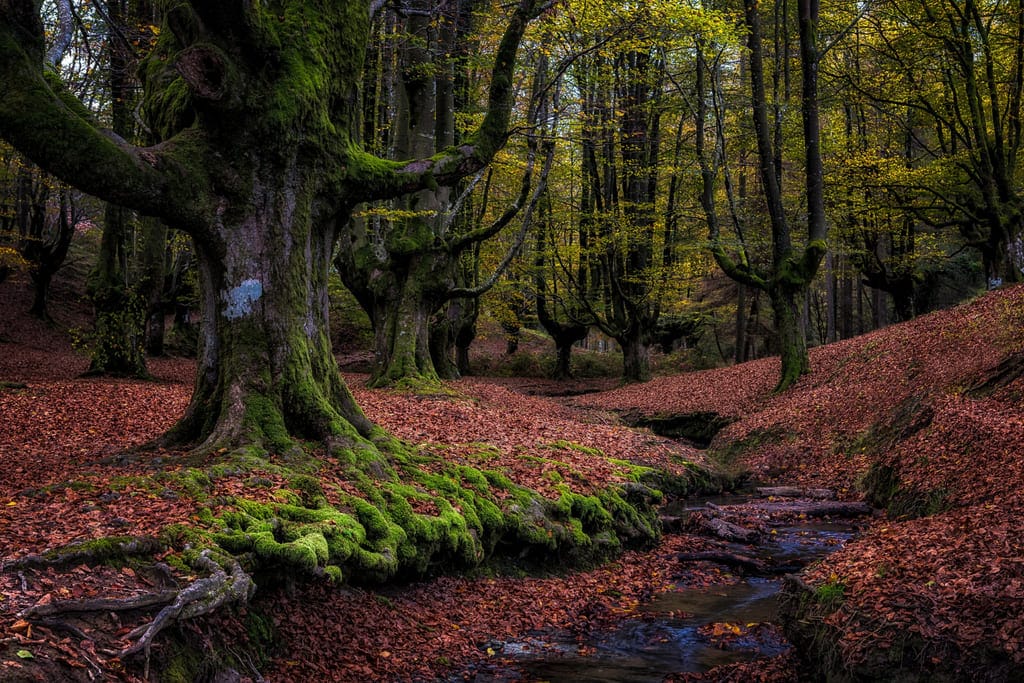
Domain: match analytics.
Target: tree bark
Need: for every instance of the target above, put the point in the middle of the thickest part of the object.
(636, 356)
(788, 306)
(266, 371)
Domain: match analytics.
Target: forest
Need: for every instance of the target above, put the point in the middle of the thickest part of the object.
(459, 340)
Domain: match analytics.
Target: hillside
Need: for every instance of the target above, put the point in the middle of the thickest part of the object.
(932, 408)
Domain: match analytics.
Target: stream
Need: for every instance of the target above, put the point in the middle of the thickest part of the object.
(687, 629)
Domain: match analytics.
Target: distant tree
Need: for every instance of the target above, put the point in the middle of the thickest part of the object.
(558, 310)
(953, 82)
(41, 214)
(792, 266)
(403, 259)
(625, 195)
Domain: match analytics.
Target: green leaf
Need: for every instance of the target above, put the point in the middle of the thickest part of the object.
(24, 654)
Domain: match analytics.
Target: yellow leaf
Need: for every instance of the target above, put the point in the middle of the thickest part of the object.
(490, 652)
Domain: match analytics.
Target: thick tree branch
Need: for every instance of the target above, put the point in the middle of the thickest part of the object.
(520, 236)
(370, 178)
(52, 128)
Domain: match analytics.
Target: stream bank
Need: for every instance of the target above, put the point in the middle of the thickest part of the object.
(693, 625)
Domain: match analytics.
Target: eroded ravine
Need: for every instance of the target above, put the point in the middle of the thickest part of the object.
(692, 628)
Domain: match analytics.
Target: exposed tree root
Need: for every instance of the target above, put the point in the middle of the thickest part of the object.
(99, 605)
(88, 553)
(220, 585)
(200, 597)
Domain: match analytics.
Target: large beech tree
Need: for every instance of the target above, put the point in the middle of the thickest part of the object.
(262, 178)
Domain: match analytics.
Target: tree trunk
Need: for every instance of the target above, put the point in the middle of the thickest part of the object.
(442, 342)
(564, 336)
(150, 285)
(451, 333)
(788, 305)
(563, 360)
(465, 333)
(266, 371)
(403, 351)
(740, 352)
(120, 314)
(636, 357)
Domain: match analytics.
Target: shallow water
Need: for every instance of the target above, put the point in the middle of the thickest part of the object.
(666, 637)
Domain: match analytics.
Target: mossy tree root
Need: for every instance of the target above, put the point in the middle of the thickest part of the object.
(88, 552)
(217, 588)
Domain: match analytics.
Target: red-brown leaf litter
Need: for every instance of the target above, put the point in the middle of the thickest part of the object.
(923, 398)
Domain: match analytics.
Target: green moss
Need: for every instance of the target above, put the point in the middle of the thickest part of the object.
(194, 483)
(579, 448)
(184, 665)
(264, 418)
(311, 493)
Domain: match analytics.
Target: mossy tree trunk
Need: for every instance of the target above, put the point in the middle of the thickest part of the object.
(44, 234)
(150, 283)
(403, 261)
(402, 353)
(791, 270)
(788, 306)
(453, 327)
(119, 312)
(400, 260)
(266, 370)
(636, 356)
(261, 175)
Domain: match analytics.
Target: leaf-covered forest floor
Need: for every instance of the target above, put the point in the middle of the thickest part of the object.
(934, 408)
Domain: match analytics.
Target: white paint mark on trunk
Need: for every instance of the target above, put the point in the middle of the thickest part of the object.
(241, 298)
